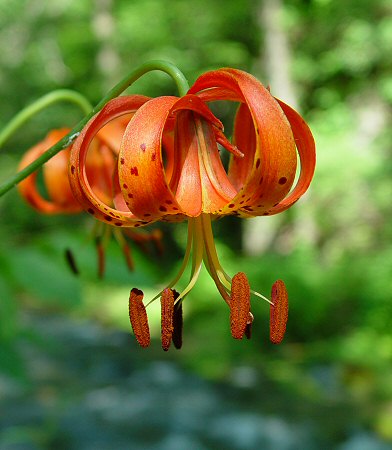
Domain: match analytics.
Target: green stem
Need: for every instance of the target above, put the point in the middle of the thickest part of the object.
(45, 101)
(66, 141)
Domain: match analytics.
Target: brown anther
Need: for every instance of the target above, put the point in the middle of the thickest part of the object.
(69, 256)
(138, 317)
(239, 305)
(248, 328)
(177, 322)
(167, 314)
(279, 311)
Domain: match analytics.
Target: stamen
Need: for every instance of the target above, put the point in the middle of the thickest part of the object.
(239, 305)
(279, 312)
(224, 142)
(100, 256)
(69, 256)
(184, 264)
(211, 261)
(138, 317)
(248, 328)
(177, 322)
(167, 317)
(101, 242)
(125, 248)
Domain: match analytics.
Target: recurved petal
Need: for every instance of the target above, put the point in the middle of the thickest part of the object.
(142, 175)
(266, 178)
(55, 173)
(307, 154)
(80, 183)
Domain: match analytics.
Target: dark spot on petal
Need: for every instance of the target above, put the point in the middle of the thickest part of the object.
(231, 205)
(108, 218)
(143, 147)
(134, 171)
(90, 210)
(168, 202)
(147, 215)
(261, 180)
(162, 208)
(125, 186)
(130, 196)
(118, 224)
(282, 180)
(72, 169)
(153, 157)
(122, 161)
(257, 163)
(174, 208)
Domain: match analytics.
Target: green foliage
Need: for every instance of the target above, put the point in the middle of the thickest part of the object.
(334, 249)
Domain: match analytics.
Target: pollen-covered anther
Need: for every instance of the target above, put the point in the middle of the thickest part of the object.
(138, 317)
(167, 316)
(279, 311)
(239, 305)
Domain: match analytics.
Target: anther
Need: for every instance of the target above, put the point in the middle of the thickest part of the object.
(279, 312)
(69, 256)
(167, 316)
(177, 322)
(239, 305)
(248, 328)
(138, 317)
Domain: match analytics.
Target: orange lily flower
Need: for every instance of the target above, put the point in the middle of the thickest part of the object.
(170, 169)
(99, 170)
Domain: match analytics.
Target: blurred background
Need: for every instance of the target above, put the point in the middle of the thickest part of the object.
(71, 374)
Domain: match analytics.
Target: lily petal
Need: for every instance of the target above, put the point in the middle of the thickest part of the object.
(60, 198)
(142, 176)
(80, 183)
(307, 153)
(269, 178)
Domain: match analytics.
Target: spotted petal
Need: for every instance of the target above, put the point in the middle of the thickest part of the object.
(262, 132)
(81, 185)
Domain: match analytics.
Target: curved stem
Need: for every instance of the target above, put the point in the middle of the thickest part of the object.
(170, 69)
(42, 103)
